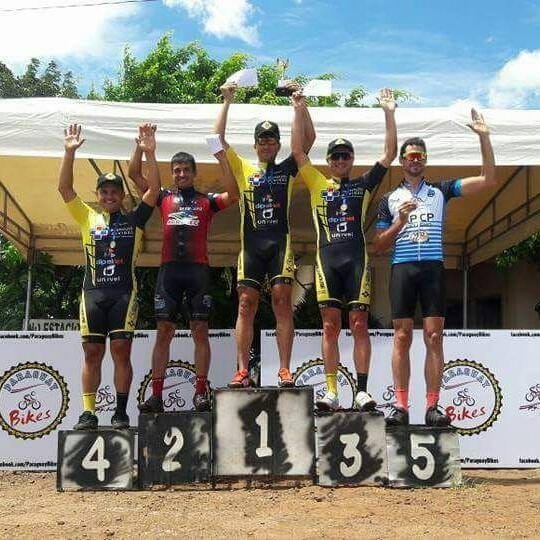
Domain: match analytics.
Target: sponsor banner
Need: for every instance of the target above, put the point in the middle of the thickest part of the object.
(53, 325)
(490, 386)
(40, 387)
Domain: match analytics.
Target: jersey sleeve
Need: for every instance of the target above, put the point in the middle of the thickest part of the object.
(290, 166)
(217, 201)
(239, 167)
(313, 178)
(373, 177)
(384, 216)
(141, 215)
(79, 210)
(451, 189)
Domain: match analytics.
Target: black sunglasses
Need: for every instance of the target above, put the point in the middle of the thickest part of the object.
(340, 155)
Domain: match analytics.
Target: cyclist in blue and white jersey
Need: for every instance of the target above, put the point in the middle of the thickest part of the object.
(411, 219)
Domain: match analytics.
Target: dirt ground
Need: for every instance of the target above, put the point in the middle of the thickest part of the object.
(504, 503)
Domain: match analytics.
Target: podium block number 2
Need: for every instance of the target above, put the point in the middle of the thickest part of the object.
(173, 438)
(350, 451)
(100, 464)
(420, 452)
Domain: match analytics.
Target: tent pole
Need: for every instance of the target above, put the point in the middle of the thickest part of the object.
(28, 298)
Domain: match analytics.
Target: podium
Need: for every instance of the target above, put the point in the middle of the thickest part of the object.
(95, 460)
(263, 431)
(421, 456)
(351, 449)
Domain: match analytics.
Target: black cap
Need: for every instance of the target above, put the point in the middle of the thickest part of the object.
(336, 143)
(267, 129)
(110, 178)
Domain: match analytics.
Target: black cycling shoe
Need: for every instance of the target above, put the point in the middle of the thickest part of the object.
(435, 417)
(88, 420)
(154, 404)
(202, 401)
(120, 420)
(397, 417)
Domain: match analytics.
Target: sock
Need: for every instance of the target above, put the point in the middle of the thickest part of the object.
(200, 384)
(89, 402)
(121, 402)
(402, 398)
(331, 383)
(432, 398)
(157, 387)
(362, 381)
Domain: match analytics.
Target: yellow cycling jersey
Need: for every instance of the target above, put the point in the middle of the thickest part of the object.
(111, 244)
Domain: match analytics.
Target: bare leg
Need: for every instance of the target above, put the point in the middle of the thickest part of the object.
(282, 307)
(248, 302)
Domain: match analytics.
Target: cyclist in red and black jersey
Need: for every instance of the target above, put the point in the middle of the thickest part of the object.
(184, 273)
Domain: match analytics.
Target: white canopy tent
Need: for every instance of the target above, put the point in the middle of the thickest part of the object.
(31, 145)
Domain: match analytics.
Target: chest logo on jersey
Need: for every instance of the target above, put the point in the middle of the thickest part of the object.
(185, 218)
(259, 179)
(431, 193)
(99, 232)
(329, 194)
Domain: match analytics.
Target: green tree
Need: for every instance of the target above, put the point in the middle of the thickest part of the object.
(9, 85)
(528, 250)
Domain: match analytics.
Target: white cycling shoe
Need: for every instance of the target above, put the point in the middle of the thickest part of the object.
(364, 402)
(329, 402)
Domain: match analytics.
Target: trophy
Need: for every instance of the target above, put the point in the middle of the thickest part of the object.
(282, 90)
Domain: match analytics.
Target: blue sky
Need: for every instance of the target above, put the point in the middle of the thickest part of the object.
(443, 52)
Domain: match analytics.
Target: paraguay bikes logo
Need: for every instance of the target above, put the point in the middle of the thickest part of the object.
(105, 399)
(177, 388)
(531, 400)
(33, 400)
(311, 373)
(471, 396)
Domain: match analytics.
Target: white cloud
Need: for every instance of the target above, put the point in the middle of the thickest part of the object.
(517, 84)
(230, 18)
(80, 32)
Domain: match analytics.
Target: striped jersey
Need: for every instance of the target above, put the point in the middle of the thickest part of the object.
(421, 239)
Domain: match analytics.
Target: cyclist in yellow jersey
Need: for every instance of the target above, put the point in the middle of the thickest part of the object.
(339, 206)
(265, 194)
(111, 241)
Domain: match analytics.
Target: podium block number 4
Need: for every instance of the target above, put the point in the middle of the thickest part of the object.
(175, 438)
(350, 451)
(100, 464)
(419, 441)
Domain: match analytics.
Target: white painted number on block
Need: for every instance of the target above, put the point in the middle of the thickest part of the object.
(100, 464)
(262, 421)
(350, 440)
(173, 436)
(418, 451)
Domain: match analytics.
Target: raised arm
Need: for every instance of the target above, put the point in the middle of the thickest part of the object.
(298, 130)
(72, 141)
(135, 165)
(388, 105)
(147, 145)
(487, 178)
(231, 194)
(227, 91)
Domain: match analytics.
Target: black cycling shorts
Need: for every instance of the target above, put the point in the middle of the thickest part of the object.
(109, 312)
(413, 281)
(183, 288)
(342, 276)
(267, 256)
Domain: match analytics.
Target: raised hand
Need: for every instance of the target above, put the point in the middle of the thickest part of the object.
(386, 100)
(146, 141)
(405, 209)
(298, 99)
(227, 91)
(478, 125)
(72, 138)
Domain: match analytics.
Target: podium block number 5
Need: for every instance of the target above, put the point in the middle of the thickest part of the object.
(350, 440)
(173, 436)
(262, 421)
(418, 451)
(99, 464)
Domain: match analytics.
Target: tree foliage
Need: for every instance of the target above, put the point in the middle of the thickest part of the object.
(528, 250)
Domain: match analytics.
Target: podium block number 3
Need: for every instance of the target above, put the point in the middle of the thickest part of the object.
(263, 449)
(175, 438)
(418, 451)
(350, 451)
(99, 464)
